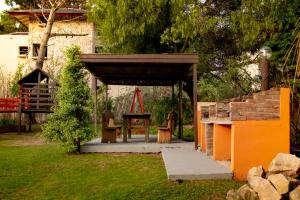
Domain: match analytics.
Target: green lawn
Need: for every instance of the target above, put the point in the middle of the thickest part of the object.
(31, 169)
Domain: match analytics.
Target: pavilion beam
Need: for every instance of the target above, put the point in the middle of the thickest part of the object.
(195, 105)
(94, 88)
(180, 111)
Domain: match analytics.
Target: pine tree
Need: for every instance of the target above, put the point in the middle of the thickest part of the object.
(69, 122)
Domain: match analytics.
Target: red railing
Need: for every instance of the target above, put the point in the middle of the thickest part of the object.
(9, 104)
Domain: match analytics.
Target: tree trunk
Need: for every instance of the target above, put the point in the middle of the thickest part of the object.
(78, 145)
(45, 38)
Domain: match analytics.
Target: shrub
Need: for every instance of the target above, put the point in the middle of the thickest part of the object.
(69, 123)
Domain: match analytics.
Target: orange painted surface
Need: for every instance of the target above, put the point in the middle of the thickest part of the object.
(199, 128)
(203, 142)
(221, 140)
(256, 143)
(252, 142)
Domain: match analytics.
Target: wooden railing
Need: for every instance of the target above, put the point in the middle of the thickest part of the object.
(9, 104)
(32, 97)
(37, 96)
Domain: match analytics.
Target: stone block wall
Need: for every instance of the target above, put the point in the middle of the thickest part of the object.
(259, 106)
(209, 139)
(263, 105)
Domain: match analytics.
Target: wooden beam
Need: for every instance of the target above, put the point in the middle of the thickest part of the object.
(180, 111)
(94, 88)
(195, 105)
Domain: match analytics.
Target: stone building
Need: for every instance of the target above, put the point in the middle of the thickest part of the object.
(71, 27)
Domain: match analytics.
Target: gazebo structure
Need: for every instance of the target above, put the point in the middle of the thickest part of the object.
(147, 70)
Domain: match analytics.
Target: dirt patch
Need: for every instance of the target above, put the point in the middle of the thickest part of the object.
(32, 142)
(12, 139)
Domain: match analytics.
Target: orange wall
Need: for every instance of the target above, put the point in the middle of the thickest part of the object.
(252, 142)
(221, 139)
(256, 143)
(199, 134)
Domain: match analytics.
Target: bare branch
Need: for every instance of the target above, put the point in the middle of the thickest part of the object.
(68, 34)
(43, 10)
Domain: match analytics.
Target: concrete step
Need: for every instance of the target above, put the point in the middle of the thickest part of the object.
(188, 164)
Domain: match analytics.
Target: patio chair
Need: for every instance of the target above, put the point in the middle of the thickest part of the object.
(110, 131)
(164, 134)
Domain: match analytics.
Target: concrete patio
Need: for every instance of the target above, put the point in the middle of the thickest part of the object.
(181, 161)
(134, 145)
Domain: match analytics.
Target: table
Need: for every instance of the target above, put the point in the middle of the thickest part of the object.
(127, 118)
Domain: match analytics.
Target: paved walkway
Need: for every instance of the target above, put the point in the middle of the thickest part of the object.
(182, 162)
(187, 164)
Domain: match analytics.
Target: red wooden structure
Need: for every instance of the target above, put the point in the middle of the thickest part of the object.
(36, 95)
(137, 97)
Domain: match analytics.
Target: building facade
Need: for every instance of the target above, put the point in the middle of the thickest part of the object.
(70, 28)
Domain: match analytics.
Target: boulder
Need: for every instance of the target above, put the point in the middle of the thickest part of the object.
(264, 189)
(246, 192)
(280, 182)
(295, 194)
(232, 195)
(243, 193)
(255, 171)
(293, 183)
(286, 164)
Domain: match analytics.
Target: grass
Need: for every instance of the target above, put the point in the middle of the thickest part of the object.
(32, 169)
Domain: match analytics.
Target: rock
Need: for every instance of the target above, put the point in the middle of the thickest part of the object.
(255, 171)
(232, 195)
(246, 192)
(293, 183)
(280, 182)
(264, 189)
(286, 164)
(295, 194)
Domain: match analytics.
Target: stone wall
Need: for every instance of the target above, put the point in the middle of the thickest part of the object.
(58, 44)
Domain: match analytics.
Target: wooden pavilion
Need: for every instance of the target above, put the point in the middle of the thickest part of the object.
(147, 70)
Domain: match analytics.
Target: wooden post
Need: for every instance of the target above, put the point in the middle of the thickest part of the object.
(30, 122)
(173, 93)
(125, 129)
(264, 65)
(19, 117)
(180, 112)
(195, 105)
(106, 97)
(94, 87)
(38, 93)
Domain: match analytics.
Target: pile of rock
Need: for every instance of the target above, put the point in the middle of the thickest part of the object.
(280, 182)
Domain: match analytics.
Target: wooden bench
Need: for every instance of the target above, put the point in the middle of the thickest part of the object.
(110, 131)
(164, 134)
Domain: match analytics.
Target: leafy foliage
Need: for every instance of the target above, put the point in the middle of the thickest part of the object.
(8, 25)
(14, 86)
(130, 26)
(221, 32)
(69, 122)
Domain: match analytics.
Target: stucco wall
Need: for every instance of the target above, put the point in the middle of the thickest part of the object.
(9, 52)
(57, 45)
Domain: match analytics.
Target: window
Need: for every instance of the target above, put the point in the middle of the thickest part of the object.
(35, 50)
(23, 51)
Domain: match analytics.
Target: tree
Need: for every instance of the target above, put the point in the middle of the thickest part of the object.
(130, 26)
(8, 25)
(69, 122)
(53, 6)
(14, 86)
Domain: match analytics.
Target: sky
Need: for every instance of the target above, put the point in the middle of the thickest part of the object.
(3, 6)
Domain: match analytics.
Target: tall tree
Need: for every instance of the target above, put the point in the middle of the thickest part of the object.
(69, 122)
(131, 26)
